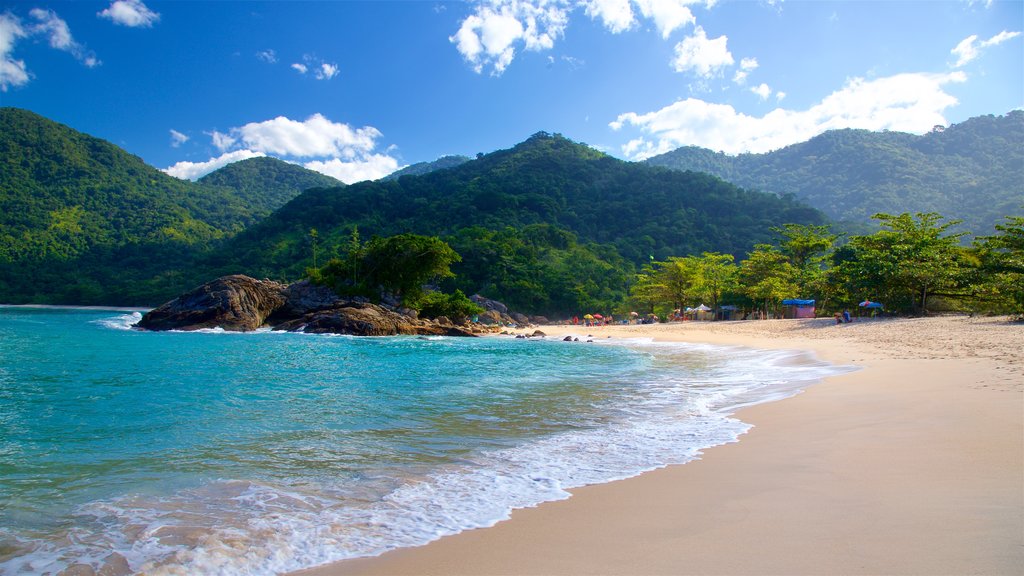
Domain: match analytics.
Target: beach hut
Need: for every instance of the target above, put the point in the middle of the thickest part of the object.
(797, 308)
(727, 312)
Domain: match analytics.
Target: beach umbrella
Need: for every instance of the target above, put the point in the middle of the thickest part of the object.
(633, 314)
(588, 317)
(598, 316)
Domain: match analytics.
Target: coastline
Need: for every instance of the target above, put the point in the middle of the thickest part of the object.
(912, 465)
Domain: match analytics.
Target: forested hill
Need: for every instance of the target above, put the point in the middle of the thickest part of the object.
(421, 168)
(552, 191)
(82, 221)
(265, 184)
(973, 170)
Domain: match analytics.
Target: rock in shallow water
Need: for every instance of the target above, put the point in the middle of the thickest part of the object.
(235, 303)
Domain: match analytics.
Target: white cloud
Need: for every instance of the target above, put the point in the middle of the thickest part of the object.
(12, 72)
(222, 141)
(747, 65)
(905, 102)
(315, 136)
(131, 13)
(177, 138)
(967, 51)
(301, 68)
(370, 167)
(617, 15)
(762, 90)
(668, 15)
(332, 148)
(489, 35)
(326, 71)
(705, 57)
(59, 36)
(268, 56)
(196, 170)
(779, 96)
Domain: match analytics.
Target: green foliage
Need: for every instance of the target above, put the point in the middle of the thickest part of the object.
(550, 226)
(911, 258)
(421, 168)
(455, 306)
(768, 277)
(399, 265)
(539, 268)
(972, 169)
(84, 222)
(265, 184)
(686, 281)
(1002, 265)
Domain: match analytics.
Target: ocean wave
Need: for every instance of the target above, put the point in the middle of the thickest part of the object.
(258, 527)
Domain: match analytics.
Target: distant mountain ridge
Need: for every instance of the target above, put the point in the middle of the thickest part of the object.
(973, 170)
(421, 168)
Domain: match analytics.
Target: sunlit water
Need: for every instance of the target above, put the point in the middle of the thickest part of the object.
(220, 453)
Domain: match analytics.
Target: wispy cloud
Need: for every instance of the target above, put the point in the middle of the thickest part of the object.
(59, 36)
(131, 13)
(12, 72)
(969, 48)
(268, 56)
(177, 138)
(322, 70)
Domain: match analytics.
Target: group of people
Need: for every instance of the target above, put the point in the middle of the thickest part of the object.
(842, 317)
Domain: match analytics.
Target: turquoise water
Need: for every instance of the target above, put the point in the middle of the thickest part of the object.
(220, 453)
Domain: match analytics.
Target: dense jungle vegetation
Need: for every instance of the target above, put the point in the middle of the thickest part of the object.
(974, 169)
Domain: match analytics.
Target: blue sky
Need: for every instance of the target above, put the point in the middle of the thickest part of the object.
(359, 89)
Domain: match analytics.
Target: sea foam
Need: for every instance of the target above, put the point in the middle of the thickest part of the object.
(679, 402)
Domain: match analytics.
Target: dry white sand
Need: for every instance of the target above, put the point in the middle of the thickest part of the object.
(913, 465)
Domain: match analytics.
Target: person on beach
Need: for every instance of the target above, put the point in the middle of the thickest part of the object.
(846, 315)
(838, 317)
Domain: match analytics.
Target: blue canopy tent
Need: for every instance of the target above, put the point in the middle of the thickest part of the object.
(797, 308)
(870, 304)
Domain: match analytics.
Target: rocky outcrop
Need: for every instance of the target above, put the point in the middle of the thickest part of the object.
(241, 303)
(235, 303)
(356, 319)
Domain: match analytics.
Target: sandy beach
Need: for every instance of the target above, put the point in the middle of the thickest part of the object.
(912, 465)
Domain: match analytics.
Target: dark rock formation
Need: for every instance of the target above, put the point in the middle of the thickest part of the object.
(357, 319)
(488, 304)
(235, 303)
(240, 303)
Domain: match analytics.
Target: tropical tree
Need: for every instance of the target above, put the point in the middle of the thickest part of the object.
(910, 259)
(403, 264)
(767, 276)
(807, 248)
(1002, 262)
(716, 275)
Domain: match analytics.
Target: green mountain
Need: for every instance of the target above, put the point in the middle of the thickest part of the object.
(265, 184)
(537, 221)
(421, 168)
(972, 171)
(84, 222)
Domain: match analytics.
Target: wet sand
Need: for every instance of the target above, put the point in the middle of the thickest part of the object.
(912, 465)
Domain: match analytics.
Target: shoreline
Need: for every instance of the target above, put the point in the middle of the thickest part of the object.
(911, 465)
